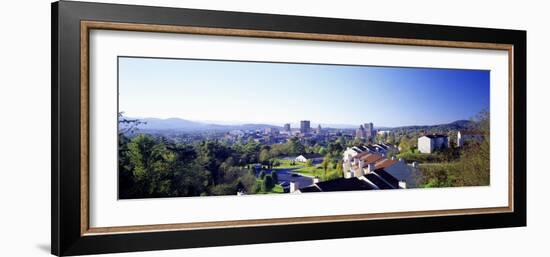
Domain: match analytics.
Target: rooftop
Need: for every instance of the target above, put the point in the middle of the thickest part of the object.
(378, 181)
(311, 155)
(391, 180)
(385, 163)
(435, 136)
(340, 184)
(371, 158)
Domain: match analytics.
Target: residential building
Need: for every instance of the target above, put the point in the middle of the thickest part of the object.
(315, 158)
(376, 180)
(382, 148)
(432, 143)
(364, 163)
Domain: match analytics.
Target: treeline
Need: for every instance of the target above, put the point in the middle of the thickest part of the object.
(154, 167)
(151, 166)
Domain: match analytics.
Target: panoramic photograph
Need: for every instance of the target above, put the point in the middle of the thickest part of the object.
(190, 128)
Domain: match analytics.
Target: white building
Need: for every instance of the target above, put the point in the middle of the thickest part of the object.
(315, 158)
(431, 143)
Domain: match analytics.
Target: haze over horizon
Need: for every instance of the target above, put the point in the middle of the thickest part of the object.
(293, 124)
(276, 93)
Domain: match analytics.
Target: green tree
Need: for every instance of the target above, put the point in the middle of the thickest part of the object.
(404, 145)
(150, 162)
(262, 175)
(275, 177)
(264, 156)
(340, 166)
(325, 164)
(267, 184)
(223, 189)
(210, 156)
(295, 147)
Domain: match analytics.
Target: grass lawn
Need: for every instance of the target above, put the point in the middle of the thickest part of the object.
(318, 172)
(287, 164)
(277, 189)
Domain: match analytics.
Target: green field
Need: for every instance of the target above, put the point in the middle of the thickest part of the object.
(287, 164)
(277, 189)
(317, 171)
(313, 171)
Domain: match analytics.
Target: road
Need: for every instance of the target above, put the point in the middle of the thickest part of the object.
(285, 176)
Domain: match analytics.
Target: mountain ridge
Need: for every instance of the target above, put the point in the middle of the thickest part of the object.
(189, 125)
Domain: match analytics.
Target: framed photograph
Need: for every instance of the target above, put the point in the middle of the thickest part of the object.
(177, 128)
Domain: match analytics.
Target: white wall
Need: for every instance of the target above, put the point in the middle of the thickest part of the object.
(425, 144)
(25, 126)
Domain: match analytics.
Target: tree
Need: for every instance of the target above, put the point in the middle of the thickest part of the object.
(210, 156)
(275, 177)
(295, 147)
(267, 184)
(126, 125)
(309, 163)
(262, 175)
(326, 162)
(322, 151)
(340, 167)
(357, 141)
(223, 189)
(150, 164)
(404, 145)
(264, 156)
(390, 138)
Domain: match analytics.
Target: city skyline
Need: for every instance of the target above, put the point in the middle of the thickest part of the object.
(277, 93)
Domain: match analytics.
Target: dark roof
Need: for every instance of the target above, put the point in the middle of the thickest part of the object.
(387, 177)
(382, 146)
(310, 189)
(344, 184)
(436, 136)
(372, 148)
(385, 163)
(311, 155)
(377, 181)
(356, 149)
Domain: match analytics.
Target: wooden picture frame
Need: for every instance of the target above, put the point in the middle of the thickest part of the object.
(71, 25)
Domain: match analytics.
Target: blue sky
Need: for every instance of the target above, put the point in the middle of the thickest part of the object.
(278, 93)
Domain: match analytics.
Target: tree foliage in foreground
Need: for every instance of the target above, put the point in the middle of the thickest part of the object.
(472, 168)
(152, 167)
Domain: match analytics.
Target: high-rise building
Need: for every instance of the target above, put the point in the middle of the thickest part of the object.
(304, 126)
(360, 132)
(369, 130)
(319, 129)
(287, 127)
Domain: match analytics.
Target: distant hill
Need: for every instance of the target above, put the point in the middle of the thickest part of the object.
(172, 124)
(455, 125)
(188, 125)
